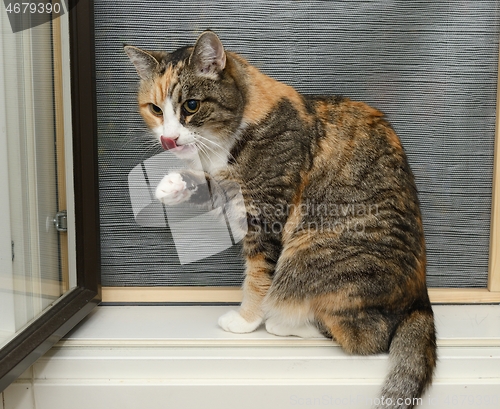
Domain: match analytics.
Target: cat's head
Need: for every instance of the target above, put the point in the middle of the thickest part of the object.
(190, 98)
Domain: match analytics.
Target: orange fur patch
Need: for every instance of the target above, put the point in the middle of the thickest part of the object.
(163, 84)
(298, 243)
(393, 139)
(330, 303)
(353, 339)
(265, 93)
(255, 287)
(156, 93)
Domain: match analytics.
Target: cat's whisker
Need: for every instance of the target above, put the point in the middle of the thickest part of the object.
(202, 148)
(207, 150)
(149, 148)
(144, 135)
(138, 133)
(230, 156)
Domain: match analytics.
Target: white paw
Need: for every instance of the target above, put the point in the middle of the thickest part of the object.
(304, 330)
(172, 190)
(232, 321)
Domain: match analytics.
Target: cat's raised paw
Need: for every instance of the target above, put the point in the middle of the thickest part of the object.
(232, 321)
(172, 190)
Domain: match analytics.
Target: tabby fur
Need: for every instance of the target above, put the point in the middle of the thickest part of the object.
(335, 244)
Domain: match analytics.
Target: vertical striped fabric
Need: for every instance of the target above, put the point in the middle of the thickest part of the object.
(431, 66)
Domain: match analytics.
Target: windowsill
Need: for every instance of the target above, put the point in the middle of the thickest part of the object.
(177, 356)
(464, 325)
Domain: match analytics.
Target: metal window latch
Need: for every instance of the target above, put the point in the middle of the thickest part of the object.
(61, 221)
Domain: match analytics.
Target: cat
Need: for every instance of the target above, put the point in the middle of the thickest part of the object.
(334, 244)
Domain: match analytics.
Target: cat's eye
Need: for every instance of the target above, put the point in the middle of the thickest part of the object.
(155, 109)
(191, 106)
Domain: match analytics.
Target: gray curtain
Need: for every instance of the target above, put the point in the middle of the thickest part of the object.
(431, 66)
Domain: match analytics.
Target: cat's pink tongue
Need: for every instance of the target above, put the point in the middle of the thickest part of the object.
(168, 143)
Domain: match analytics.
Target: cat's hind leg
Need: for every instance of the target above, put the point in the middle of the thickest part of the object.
(289, 318)
(359, 328)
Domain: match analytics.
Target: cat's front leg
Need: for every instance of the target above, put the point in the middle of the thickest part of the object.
(251, 313)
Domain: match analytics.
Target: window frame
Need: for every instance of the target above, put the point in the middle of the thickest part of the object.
(490, 294)
(37, 338)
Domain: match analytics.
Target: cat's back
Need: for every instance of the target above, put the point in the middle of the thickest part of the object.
(360, 185)
(357, 148)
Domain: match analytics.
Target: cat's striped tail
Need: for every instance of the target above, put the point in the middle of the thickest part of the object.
(413, 358)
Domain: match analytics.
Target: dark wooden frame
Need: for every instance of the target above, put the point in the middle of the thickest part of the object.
(20, 353)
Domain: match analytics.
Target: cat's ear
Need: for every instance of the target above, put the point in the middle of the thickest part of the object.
(208, 57)
(144, 62)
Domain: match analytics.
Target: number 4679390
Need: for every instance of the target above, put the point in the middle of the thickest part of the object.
(33, 8)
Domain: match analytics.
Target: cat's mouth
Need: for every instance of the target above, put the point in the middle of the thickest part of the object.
(170, 144)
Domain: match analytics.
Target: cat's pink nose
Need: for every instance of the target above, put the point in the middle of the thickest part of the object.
(168, 142)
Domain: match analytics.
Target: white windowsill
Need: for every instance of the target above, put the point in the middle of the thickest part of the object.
(177, 357)
(465, 325)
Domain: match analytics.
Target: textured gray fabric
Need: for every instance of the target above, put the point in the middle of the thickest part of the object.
(431, 66)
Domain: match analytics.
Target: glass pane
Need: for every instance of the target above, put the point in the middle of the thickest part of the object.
(34, 260)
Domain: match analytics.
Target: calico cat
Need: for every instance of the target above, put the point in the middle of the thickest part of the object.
(334, 243)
